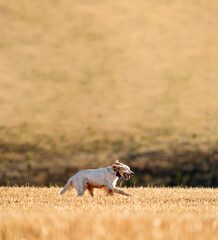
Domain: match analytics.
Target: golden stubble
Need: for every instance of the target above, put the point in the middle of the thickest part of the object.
(151, 213)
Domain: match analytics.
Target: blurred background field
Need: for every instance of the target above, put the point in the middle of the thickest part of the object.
(83, 83)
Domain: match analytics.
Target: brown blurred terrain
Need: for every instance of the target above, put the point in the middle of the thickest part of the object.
(83, 83)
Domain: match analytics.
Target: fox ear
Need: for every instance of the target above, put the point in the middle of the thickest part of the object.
(115, 166)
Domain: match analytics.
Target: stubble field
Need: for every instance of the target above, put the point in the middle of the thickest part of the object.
(84, 82)
(151, 213)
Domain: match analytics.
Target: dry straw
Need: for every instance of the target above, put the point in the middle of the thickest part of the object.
(151, 213)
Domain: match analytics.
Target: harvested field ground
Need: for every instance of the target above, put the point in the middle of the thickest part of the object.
(151, 213)
(82, 80)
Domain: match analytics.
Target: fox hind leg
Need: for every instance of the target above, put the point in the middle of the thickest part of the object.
(81, 186)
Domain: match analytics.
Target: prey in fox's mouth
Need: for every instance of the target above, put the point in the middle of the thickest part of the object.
(126, 176)
(122, 170)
